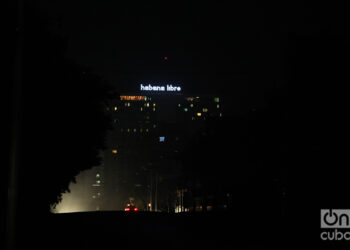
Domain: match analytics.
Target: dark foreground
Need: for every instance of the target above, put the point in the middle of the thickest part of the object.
(142, 230)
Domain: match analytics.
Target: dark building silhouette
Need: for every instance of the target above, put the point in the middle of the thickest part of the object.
(150, 131)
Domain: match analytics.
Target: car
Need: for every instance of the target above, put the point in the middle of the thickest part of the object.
(131, 208)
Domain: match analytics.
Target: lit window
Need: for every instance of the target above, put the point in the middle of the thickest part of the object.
(161, 139)
(191, 105)
(129, 104)
(199, 114)
(154, 109)
(154, 104)
(97, 175)
(114, 151)
(179, 105)
(141, 109)
(220, 114)
(98, 181)
(205, 110)
(115, 108)
(218, 106)
(135, 130)
(147, 104)
(147, 130)
(185, 109)
(216, 99)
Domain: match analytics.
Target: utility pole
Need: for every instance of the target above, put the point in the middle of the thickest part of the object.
(151, 191)
(156, 193)
(11, 213)
(182, 200)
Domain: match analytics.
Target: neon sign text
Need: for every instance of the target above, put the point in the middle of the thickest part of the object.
(167, 88)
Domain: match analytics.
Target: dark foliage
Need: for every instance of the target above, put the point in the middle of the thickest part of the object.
(64, 124)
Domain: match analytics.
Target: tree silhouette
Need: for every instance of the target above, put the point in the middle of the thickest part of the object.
(64, 123)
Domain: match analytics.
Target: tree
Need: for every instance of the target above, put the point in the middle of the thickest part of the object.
(63, 124)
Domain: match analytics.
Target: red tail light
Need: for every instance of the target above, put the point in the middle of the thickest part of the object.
(135, 209)
(127, 209)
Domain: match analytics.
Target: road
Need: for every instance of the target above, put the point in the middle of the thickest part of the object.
(145, 230)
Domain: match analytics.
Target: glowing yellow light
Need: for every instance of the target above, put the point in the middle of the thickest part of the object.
(132, 98)
(114, 151)
(115, 108)
(199, 114)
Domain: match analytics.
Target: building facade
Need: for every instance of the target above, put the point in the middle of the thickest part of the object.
(142, 164)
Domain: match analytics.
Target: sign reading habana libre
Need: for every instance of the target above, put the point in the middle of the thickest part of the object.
(167, 88)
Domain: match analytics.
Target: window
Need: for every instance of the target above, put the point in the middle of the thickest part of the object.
(97, 175)
(218, 106)
(191, 105)
(98, 181)
(161, 139)
(217, 99)
(115, 108)
(114, 151)
(199, 114)
(205, 110)
(185, 109)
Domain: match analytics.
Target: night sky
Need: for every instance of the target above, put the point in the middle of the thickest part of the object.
(238, 49)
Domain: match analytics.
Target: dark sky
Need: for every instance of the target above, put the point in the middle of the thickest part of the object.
(236, 48)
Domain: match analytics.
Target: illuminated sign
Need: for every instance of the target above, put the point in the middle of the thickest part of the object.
(162, 88)
(132, 98)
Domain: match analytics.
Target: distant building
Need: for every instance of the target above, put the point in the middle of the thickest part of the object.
(142, 156)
